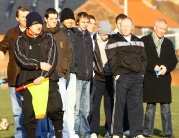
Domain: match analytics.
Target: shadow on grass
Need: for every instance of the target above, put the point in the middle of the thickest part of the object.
(9, 137)
(102, 131)
(158, 133)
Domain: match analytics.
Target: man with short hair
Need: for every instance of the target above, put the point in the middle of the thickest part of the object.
(127, 61)
(118, 22)
(64, 57)
(84, 72)
(36, 55)
(157, 82)
(7, 44)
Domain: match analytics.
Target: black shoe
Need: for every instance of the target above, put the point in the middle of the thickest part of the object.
(147, 136)
(169, 136)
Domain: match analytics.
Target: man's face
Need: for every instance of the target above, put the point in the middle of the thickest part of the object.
(83, 23)
(35, 29)
(104, 37)
(126, 27)
(51, 20)
(22, 18)
(118, 24)
(160, 29)
(68, 23)
(91, 25)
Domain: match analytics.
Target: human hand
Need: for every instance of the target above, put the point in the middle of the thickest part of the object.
(163, 70)
(38, 80)
(45, 66)
(177, 52)
(2, 56)
(156, 68)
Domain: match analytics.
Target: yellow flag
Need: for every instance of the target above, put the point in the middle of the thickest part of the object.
(40, 98)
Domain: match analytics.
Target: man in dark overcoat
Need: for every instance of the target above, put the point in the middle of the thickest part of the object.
(157, 88)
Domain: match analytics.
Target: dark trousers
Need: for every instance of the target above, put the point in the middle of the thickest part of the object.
(54, 111)
(149, 119)
(100, 89)
(128, 90)
(91, 99)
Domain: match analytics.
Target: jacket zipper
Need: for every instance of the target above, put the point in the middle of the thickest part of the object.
(85, 58)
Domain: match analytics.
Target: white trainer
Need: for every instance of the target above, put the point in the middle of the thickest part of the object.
(93, 135)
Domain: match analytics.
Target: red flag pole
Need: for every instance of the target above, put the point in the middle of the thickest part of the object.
(23, 87)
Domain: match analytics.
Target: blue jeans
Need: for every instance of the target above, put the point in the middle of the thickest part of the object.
(82, 107)
(45, 128)
(150, 118)
(19, 130)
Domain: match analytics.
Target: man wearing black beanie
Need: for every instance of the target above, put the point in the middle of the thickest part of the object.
(36, 55)
(67, 20)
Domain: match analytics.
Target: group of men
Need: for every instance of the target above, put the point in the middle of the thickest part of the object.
(82, 67)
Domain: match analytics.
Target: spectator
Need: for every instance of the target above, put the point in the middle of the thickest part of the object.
(103, 80)
(64, 55)
(84, 72)
(67, 20)
(7, 44)
(127, 61)
(161, 56)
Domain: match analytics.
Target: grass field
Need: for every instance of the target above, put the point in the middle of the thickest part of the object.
(6, 112)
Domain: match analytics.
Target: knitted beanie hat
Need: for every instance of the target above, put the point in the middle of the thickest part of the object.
(33, 18)
(104, 28)
(66, 13)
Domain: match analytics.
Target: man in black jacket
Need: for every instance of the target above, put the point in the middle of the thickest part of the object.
(127, 61)
(36, 55)
(157, 88)
(84, 72)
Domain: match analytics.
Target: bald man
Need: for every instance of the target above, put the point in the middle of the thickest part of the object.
(127, 61)
(157, 89)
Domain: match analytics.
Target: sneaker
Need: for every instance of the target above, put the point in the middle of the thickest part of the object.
(139, 136)
(169, 136)
(115, 136)
(93, 135)
(107, 134)
(146, 136)
(126, 133)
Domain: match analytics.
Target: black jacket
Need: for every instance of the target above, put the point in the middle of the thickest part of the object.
(71, 40)
(84, 54)
(28, 58)
(126, 57)
(158, 89)
(98, 69)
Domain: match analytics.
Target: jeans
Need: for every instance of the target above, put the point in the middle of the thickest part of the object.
(63, 92)
(70, 104)
(45, 128)
(82, 107)
(19, 130)
(149, 119)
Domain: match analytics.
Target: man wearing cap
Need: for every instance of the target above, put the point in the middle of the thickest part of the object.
(67, 22)
(36, 55)
(103, 80)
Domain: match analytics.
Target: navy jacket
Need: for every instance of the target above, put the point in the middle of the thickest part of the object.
(84, 54)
